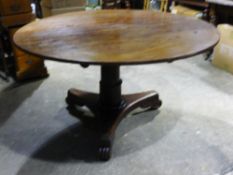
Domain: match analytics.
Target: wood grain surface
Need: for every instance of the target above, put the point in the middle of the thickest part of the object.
(116, 37)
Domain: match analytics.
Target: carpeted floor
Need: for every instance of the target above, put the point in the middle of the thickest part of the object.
(191, 134)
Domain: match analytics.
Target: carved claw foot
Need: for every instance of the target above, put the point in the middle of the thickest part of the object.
(105, 148)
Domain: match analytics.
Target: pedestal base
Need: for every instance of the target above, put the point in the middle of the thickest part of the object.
(107, 118)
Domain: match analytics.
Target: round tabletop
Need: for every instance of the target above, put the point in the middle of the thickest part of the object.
(116, 37)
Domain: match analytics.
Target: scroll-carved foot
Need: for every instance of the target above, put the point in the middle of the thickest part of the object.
(81, 98)
(146, 100)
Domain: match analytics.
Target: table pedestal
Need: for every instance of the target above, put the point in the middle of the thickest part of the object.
(109, 106)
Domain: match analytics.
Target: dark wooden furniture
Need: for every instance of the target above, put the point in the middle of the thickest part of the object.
(221, 11)
(116, 4)
(15, 12)
(111, 38)
(13, 15)
(196, 4)
(6, 64)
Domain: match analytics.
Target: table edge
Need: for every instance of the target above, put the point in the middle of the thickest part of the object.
(165, 60)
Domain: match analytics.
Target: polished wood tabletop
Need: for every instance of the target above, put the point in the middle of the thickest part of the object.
(116, 37)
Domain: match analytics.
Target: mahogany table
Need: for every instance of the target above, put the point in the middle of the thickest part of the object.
(111, 38)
